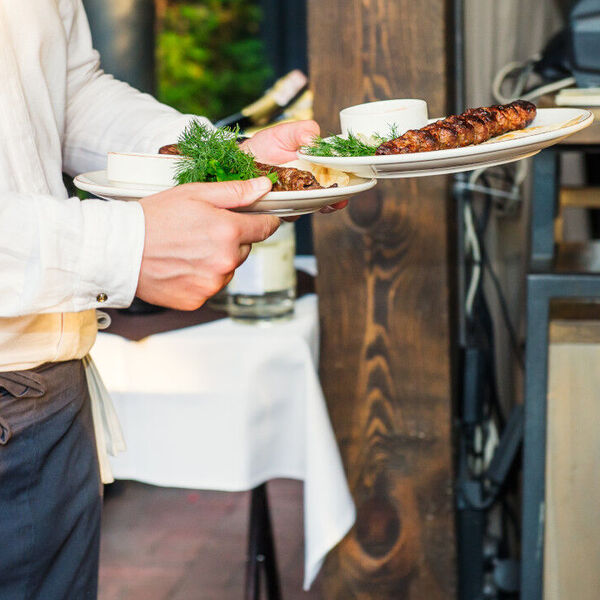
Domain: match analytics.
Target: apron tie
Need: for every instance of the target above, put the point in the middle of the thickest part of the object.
(5, 431)
(19, 385)
(23, 385)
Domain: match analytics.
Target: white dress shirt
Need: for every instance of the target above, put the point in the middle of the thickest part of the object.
(59, 112)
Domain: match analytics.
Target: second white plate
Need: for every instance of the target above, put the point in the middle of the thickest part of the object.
(549, 127)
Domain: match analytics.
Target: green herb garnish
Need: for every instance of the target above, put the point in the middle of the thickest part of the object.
(213, 155)
(350, 146)
(339, 146)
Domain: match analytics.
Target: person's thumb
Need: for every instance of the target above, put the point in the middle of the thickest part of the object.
(233, 194)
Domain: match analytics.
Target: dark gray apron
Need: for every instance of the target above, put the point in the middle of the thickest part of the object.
(50, 492)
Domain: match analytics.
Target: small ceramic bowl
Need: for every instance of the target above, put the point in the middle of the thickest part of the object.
(374, 118)
(141, 169)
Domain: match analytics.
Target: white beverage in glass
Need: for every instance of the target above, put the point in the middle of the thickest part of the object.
(264, 286)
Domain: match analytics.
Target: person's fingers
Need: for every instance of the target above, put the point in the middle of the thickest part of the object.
(244, 251)
(246, 146)
(294, 135)
(255, 228)
(341, 204)
(230, 194)
(228, 278)
(333, 207)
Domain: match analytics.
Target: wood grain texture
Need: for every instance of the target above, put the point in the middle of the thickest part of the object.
(383, 286)
(572, 541)
(574, 332)
(579, 197)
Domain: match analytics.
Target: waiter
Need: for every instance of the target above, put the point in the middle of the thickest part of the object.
(60, 259)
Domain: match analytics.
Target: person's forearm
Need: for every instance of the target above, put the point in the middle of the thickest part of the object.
(64, 255)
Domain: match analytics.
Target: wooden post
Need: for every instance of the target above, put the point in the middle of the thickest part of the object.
(384, 297)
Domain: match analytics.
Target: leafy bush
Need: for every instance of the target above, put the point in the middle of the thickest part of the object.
(210, 58)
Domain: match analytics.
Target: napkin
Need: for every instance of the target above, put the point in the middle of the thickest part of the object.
(109, 435)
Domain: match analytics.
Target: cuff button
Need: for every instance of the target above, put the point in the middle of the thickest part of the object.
(102, 297)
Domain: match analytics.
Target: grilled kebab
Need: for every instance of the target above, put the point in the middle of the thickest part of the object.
(474, 126)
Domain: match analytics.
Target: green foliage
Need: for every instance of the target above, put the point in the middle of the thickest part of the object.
(210, 58)
(213, 155)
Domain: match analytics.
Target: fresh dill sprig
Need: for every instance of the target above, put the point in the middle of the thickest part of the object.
(392, 134)
(337, 146)
(213, 155)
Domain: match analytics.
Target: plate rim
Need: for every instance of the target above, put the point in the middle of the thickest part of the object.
(133, 193)
(452, 170)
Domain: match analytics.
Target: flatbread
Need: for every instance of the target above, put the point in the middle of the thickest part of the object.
(327, 176)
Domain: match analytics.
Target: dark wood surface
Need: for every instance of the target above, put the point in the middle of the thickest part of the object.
(173, 544)
(575, 331)
(578, 257)
(384, 301)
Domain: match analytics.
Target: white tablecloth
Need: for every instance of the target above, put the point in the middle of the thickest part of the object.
(226, 406)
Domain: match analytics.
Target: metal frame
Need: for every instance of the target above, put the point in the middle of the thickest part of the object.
(261, 549)
(544, 207)
(543, 286)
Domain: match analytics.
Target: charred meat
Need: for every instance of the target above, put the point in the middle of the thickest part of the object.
(290, 179)
(474, 126)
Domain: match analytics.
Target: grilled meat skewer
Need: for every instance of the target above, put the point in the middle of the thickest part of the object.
(288, 178)
(474, 126)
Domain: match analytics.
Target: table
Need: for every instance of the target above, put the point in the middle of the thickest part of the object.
(227, 406)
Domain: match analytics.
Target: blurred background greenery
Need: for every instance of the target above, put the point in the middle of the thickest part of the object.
(211, 58)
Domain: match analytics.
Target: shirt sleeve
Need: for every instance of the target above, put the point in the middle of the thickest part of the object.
(64, 255)
(104, 114)
(82, 255)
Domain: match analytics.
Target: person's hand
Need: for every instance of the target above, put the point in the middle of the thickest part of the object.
(279, 144)
(193, 244)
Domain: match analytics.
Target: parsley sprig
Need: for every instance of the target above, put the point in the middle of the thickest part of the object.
(213, 155)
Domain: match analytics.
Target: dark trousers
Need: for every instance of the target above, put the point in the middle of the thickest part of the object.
(50, 491)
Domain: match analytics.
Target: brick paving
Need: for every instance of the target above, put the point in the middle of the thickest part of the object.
(171, 544)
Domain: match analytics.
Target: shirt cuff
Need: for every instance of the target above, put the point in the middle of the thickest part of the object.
(111, 256)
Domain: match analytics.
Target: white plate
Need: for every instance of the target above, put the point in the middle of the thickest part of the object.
(283, 204)
(549, 127)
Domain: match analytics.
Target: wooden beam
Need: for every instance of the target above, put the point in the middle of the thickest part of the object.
(582, 197)
(384, 296)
